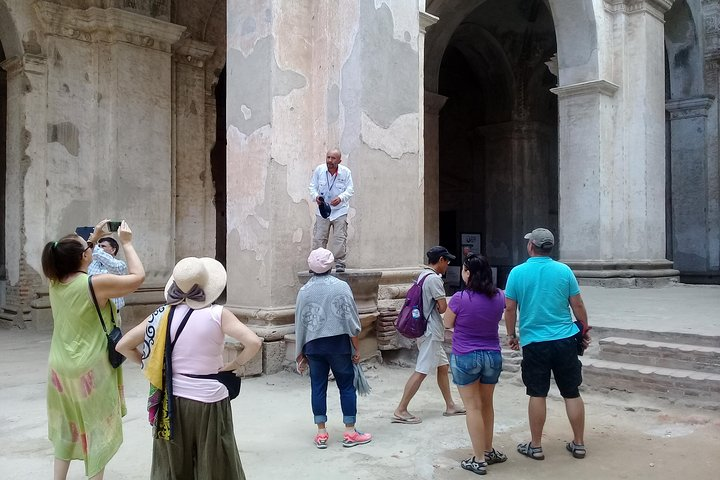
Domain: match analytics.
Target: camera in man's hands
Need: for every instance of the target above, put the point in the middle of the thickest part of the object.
(114, 225)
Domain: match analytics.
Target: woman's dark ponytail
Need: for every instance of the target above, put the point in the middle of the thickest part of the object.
(61, 258)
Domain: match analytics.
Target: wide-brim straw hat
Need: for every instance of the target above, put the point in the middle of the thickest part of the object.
(207, 273)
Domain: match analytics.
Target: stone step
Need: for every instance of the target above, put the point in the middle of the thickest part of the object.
(688, 386)
(511, 360)
(656, 336)
(660, 354)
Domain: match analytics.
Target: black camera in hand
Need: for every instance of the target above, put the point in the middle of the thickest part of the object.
(324, 207)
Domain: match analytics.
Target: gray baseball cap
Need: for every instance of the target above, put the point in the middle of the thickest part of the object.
(541, 237)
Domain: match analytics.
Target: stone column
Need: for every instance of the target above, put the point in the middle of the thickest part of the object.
(303, 77)
(690, 186)
(711, 17)
(429, 141)
(269, 126)
(109, 128)
(24, 177)
(431, 178)
(612, 151)
(193, 186)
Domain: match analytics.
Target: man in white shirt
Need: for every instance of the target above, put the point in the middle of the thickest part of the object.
(331, 185)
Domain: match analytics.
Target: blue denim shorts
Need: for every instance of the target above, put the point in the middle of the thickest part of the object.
(483, 365)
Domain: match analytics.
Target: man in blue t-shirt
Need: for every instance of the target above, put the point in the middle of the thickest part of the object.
(543, 289)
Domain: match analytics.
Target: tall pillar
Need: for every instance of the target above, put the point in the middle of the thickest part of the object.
(711, 17)
(25, 176)
(690, 186)
(193, 186)
(612, 157)
(109, 124)
(431, 178)
(303, 77)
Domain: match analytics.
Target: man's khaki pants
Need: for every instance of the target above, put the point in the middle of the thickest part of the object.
(338, 242)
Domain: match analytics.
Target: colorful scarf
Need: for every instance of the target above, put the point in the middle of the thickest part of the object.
(157, 367)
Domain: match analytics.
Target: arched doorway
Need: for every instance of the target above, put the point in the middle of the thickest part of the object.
(691, 238)
(498, 134)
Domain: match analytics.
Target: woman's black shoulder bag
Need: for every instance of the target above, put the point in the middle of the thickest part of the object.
(113, 337)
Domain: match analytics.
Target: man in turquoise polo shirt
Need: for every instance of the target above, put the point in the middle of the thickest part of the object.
(544, 289)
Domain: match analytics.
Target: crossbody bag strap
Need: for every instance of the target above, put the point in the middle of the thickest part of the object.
(97, 307)
(181, 327)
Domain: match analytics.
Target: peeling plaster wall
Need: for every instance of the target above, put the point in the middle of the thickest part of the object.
(379, 96)
(303, 78)
(108, 150)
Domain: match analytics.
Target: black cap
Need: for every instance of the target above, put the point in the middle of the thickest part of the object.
(324, 208)
(435, 253)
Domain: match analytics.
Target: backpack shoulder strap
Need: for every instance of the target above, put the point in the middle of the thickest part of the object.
(421, 282)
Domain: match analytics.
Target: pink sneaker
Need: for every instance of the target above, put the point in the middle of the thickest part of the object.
(356, 438)
(321, 440)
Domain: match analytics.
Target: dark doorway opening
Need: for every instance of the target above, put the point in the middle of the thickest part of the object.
(498, 133)
(218, 168)
(3, 169)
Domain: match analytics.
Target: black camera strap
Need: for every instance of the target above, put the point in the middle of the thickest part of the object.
(97, 307)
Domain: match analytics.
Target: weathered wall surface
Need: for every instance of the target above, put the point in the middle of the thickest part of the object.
(89, 129)
(109, 126)
(303, 78)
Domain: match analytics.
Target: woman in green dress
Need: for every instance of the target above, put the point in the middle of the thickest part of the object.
(85, 400)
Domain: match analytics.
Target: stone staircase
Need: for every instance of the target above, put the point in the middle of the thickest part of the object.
(683, 368)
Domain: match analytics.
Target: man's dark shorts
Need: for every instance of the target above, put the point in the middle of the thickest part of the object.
(558, 356)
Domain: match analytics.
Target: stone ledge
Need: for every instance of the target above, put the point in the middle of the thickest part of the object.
(669, 382)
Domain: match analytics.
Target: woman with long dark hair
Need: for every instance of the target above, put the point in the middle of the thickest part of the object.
(476, 362)
(85, 400)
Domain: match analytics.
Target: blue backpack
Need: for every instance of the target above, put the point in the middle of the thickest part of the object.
(411, 321)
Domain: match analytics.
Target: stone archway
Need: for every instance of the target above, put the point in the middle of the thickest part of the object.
(689, 184)
(498, 129)
(610, 171)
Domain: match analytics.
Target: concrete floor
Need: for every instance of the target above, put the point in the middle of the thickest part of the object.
(631, 437)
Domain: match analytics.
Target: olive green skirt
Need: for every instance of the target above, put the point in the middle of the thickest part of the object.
(203, 445)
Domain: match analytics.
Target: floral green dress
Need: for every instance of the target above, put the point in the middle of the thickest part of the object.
(85, 398)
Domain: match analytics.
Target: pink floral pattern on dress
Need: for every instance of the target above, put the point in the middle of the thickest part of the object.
(56, 381)
(87, 382)
(74, 432)
(83, 437)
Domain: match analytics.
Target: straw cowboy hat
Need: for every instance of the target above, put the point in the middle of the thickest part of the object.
(196, 281)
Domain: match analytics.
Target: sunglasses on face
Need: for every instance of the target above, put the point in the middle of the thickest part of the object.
(90, 245)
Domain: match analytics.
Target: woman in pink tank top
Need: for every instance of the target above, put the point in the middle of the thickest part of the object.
(182, 356)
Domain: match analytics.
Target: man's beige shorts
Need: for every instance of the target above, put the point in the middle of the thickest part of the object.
(431, 355)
